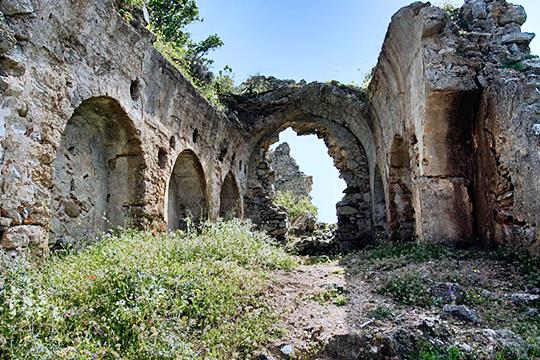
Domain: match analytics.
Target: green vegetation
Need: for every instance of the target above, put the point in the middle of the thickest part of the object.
(138, 295)
(389, 256)
(431, 352)
(382, 312)
(526, 264)
(295, 206)
(409, 288)
(335, 295)
(168, 20)
(515, 65)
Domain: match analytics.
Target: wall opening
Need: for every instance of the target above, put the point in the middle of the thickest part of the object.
(186, 199)
(348, 158)
(98, 182)
(230, 205)
(323, 183)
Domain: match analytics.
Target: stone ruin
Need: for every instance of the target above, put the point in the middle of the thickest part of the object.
(98, 130)
(288, 176)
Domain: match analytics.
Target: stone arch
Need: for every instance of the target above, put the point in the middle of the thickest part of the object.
(400, 205)
(229, 199)
(354, 211)
(186, 195)
(98, 173)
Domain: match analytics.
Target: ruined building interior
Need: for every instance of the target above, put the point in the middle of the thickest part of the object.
(98, 131)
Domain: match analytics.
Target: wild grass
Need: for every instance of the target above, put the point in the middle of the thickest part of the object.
(136, 295)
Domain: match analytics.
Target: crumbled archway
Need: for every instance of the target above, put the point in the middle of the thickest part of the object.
(187, 197)
(230, 203)
(98, 181)
(336, 113)
(354, 211)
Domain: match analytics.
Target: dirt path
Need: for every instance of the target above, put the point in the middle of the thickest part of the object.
(325, 306)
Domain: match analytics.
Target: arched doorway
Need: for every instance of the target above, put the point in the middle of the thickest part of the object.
(354, 210)
(98, 182)
(186, 199)
(230, 205)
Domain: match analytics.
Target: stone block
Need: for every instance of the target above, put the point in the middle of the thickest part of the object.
(16, 7)
(19, 237)
(444, 210)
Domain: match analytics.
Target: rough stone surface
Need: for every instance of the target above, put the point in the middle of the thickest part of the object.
(287, 173)
(16, 7)
(442, 147)
(462, 312)
(26, 236)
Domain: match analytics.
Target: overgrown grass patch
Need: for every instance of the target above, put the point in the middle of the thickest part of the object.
(142, 296)
(409, 288)
(390, 256)
(336, 296)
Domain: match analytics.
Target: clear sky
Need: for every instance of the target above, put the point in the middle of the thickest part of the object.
(314, 40)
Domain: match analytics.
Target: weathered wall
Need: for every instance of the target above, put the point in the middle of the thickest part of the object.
(335, 113)
(449, 120)
(442, 148)
(76, 52)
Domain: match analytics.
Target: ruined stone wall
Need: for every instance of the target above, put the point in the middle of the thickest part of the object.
(82, 85)
(335, 113)
(98, 130)
(454, 98)
(287, 173)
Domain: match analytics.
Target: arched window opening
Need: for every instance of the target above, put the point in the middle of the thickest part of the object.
(230, 205)
(98, 182)
(186, 200)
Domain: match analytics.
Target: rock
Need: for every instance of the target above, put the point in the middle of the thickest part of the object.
(346, 210)
(288, 174)
(264, 357)
(7, 37)
(353, 346)
(303, 224)
(532, 65)
(447, 292)
(19, 237)
(5, 223)
(72, 209)
(518, 38)
(532, 312)
(478, 9)
(525, 299)
(15, 216)
(16, 7)
(461, 312)
(506, 340)
(513, 14)
(287, 350)
(322, 242)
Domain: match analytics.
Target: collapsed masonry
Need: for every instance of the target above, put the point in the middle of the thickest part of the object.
(98, 130)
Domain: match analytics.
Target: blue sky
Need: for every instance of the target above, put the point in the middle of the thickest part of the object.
(314, 40)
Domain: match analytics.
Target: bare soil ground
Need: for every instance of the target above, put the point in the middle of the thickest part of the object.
(454, 306)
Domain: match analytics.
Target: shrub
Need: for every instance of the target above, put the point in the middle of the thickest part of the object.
(141, 296)
(295, 206)
(409, 288)
(168, 20)
(381, 313)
